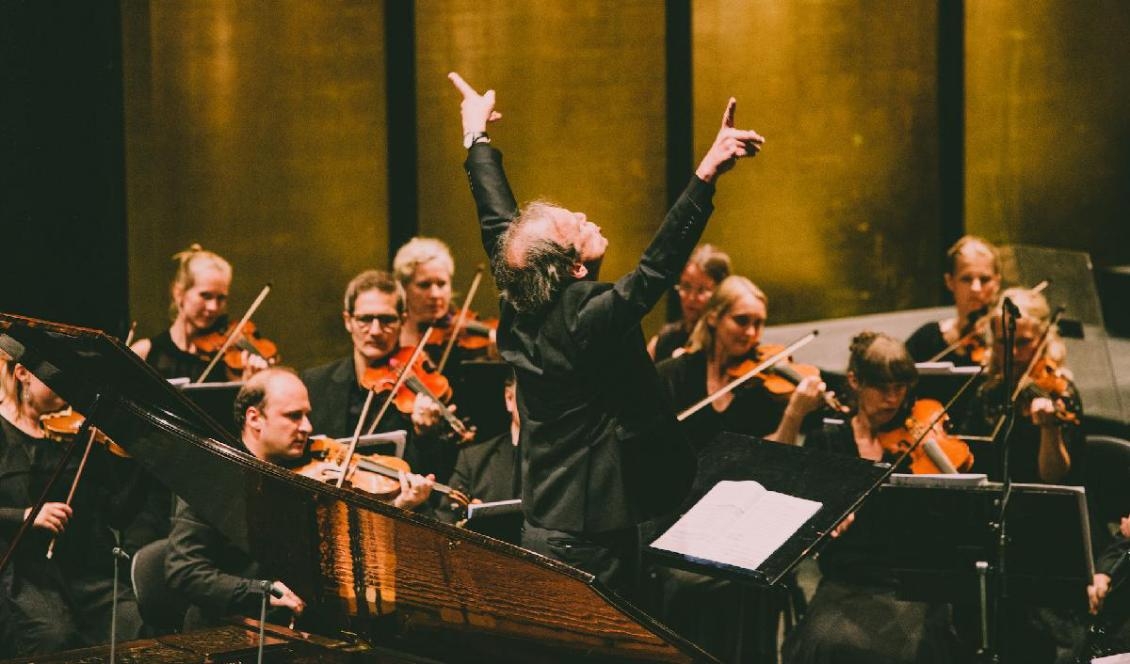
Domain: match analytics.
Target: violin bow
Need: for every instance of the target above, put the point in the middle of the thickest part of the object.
(766, 364)
(236, 331)
(462, 319)
(130, 333)
(74, 483)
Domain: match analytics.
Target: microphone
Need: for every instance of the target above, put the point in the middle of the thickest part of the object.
(265, 586)
(1011, 308)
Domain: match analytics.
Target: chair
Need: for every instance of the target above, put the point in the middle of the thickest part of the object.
(1107, 478)
(161, 608)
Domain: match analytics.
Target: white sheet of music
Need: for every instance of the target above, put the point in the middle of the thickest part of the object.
(737, 523)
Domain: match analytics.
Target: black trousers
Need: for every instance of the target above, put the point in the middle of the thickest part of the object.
(612, 557)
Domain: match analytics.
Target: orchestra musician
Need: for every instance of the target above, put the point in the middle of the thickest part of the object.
(199, 292)
(49, 604)
(726, 335)
(974, 278)
(273, 412)
(489, 469)
(707, 267)
(600, 450)
(854, 615)
(1047, 440)
(373, 315)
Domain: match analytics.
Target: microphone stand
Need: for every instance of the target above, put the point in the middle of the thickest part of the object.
(117, 553)
(994, 650)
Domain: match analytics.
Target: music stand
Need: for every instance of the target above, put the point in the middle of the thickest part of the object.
(500, 519)
(839, 483)
(216, 399)
(941, 541)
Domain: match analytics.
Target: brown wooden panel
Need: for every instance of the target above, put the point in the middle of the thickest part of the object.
(580, 85)
(258, 130)
(839, 214)
(1048, 128)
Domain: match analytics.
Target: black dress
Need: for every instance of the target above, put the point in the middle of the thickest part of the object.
(927, 341)
(855, 617)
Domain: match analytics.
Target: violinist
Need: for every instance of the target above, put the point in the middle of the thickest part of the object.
(199, 292)
(725, 337)
(974, 279)
(62, 602)
(1046, 440)
(706, 269)
(425, 269)
(373, 315)
(854, 615)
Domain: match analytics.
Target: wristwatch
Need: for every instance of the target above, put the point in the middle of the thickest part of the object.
(472, 137)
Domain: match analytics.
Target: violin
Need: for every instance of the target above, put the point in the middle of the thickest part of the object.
(781, 379)
(63, 426)
(371, 473)
(938, 451)
(421, 378)
(1048, 380)
(246, 339)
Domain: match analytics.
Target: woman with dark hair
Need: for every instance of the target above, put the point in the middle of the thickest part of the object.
(854, 615)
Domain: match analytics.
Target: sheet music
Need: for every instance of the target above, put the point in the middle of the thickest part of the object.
(498, 507)
(738, 523)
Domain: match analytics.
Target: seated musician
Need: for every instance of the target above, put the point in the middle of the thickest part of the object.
(373, 317)
(727, 334)
(219, 579)
(974, 278)
(854, 615)
(1047, 440)
(50, 604)
(490, 470)
(1111, 567)
(199, 305)
(707, 267)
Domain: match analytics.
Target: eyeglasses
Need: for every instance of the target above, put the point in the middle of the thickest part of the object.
(687, 290)
(385, 321)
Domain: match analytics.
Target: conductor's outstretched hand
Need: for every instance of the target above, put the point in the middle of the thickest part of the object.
(477, 109)
(730, 145)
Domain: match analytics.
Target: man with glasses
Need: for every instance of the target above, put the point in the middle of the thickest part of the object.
(373, 315)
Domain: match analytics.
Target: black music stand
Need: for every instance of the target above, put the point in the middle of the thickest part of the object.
(839, 483)
(942, 543)
(216, 399)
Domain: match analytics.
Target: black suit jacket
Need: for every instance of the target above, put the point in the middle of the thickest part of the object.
(485, 470)
(600, 446)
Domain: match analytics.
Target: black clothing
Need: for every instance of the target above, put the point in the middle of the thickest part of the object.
(855, 616)
(52, 604)
(172, 362)
(671, 337)
(753, 411)
(600, 451)
(336, 401)
(218, 578)
(487, 470)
